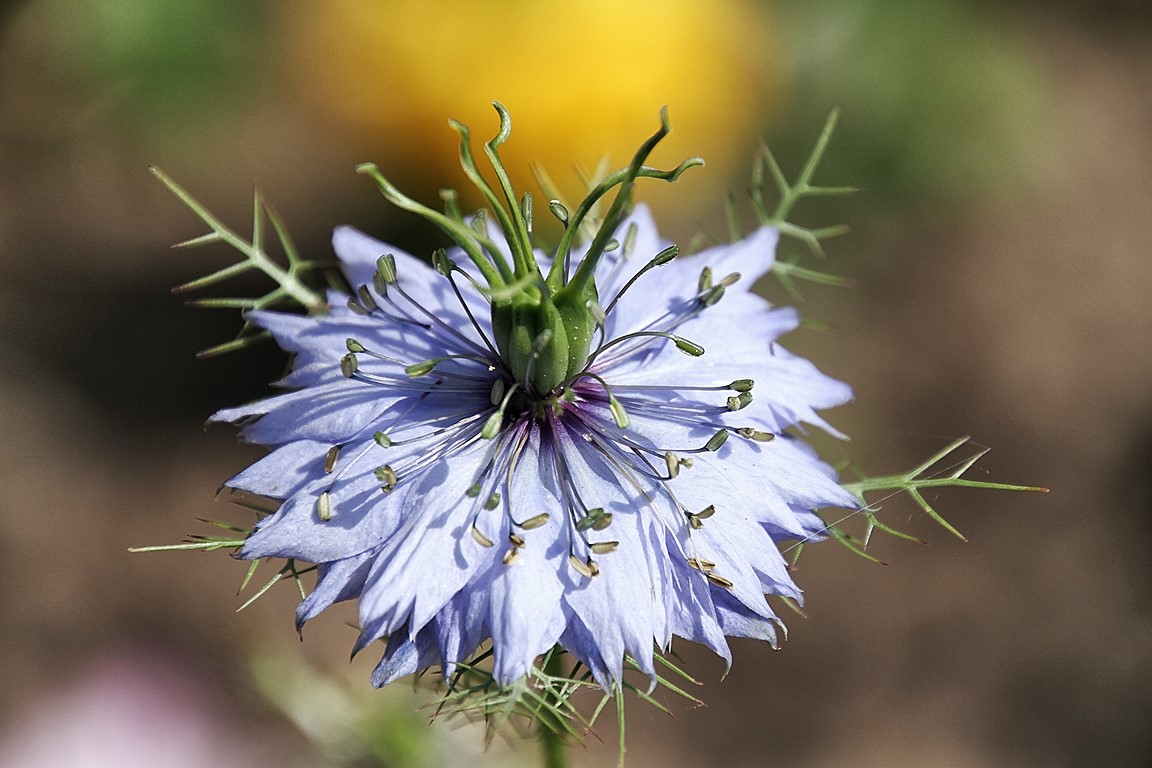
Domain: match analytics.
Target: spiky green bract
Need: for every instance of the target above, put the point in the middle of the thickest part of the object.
(291, 287)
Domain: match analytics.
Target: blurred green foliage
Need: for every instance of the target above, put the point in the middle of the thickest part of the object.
(166, 62)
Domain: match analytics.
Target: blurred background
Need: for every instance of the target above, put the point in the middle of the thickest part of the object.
(1003, 254)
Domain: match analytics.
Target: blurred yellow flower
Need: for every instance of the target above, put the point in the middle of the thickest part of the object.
(581, 78)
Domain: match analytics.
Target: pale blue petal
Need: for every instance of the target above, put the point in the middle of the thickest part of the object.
(338, 581)
(404, 656)
(525, 609)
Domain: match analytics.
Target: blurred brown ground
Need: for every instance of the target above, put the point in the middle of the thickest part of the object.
(1015, 310)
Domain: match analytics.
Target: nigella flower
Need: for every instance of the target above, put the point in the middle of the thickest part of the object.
(584, 448)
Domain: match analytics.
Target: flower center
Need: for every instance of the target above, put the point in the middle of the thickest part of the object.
(543, 324)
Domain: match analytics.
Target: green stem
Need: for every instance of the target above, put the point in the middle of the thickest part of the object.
(551, 735)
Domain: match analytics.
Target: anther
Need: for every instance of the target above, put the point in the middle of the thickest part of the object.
(559, 211)
(705, 281)
(719, 581)
(689, 348)
(480, 538)
(742, 385)
(387, 477)
(366, 299)
(535, 521)
(349, 365)
(739, 402)
(330, 459)
(618, 413)
(630, 239)
(526, 210)
(755, 434)
(493, 502)
(712, 295)
(511, 555)
(416, 370)
(716, 440)
(731, 279)
(597, 312)
(584, 568)
(672, 463)
(497, 393)
(492, 425)
(707, 512)
(596, 519)
(379, 283)
(604, 547)
(515, 539)
(354, 346)
(324, 507)
(701, 564)
(665, 256)
(479, 223)
(441, 263)
(356, 308)
(382, 439)
(386, 268)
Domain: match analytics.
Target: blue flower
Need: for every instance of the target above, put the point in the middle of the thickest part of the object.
(584, 448)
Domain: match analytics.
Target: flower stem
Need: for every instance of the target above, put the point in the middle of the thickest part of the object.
(552, 737)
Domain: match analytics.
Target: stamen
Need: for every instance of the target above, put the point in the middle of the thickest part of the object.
(712, 295)
(468, 311)
(596, 520)
(387, 477)
(720, 581)
(604, 547)
(716, 441)
(739, 402)
(386, 268)
(324, 507)
(559, 211)
(584, 568)
(480, 538)
(619, 415)
(534, 522)
(366, 300)
(423, 368)
(330, 459)
(684, 345)
(696, 520)
(496, 420)
(660, 259)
